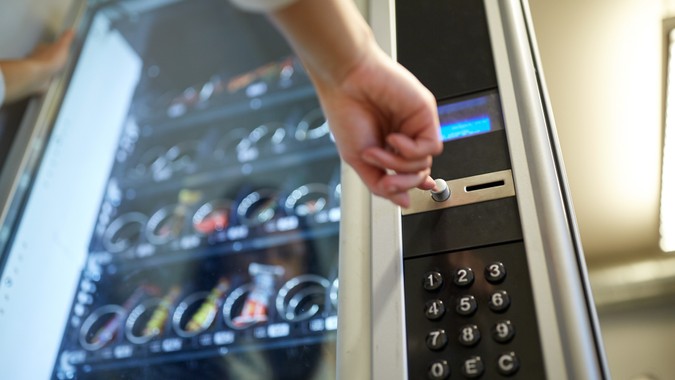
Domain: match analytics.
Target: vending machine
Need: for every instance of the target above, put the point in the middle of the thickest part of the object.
(174, 206)
(180, 208)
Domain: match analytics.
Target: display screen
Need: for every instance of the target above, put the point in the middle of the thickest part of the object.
(183, 222)
(470, 116)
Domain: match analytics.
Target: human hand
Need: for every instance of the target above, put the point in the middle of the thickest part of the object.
(385, 125)
(31, 75)
(384, 120)
(50, 58)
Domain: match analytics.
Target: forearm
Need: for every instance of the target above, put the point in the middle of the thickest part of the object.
(329, 36)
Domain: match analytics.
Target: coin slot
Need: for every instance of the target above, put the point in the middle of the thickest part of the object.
(483, 186)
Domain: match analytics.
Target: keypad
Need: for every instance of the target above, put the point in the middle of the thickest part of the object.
(472, 310)
(469, 334)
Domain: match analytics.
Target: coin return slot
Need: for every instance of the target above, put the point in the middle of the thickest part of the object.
(463, 191)
(483, 186)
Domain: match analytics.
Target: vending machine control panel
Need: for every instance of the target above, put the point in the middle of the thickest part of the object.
(469, 305)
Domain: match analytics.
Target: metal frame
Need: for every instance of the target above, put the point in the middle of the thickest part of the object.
(565, 309)
(371, 318)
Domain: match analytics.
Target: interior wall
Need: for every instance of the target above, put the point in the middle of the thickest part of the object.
(639, 341)
(603, 65)
(602, 62)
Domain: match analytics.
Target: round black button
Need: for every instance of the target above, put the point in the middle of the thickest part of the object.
(469, 335)
(495, 272)
(434, 309)
(473, 367)
(503, 331)
(463, 277)
(437, 339)
(507, 363)
(499, 301)
(466, 305)
(438, 370)
(433, 280)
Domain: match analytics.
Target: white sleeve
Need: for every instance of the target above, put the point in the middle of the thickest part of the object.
(2, 88)
(261, 5)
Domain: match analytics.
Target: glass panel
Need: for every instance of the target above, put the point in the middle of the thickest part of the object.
(184, 218)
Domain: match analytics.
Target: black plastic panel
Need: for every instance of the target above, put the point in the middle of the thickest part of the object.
(467, 157)
(461, 227)
(519, 313)
(446, 45)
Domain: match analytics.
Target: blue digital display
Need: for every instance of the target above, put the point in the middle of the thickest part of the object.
(470, 116)
(465, 128)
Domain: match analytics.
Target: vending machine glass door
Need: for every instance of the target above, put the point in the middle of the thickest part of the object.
(181, 218)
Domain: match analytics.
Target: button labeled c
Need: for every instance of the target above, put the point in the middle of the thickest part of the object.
(507, 364)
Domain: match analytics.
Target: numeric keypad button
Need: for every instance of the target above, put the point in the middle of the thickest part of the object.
(438, 370)
(473, 367)
(437, 339)
(469, 335)
(495, 272)
(466, 305)
(433, 280)
(463, 277)
(499, 301)
(508, 364)
(434, 309)
(503, 331)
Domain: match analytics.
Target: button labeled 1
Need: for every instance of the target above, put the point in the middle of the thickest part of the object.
(433, 280)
